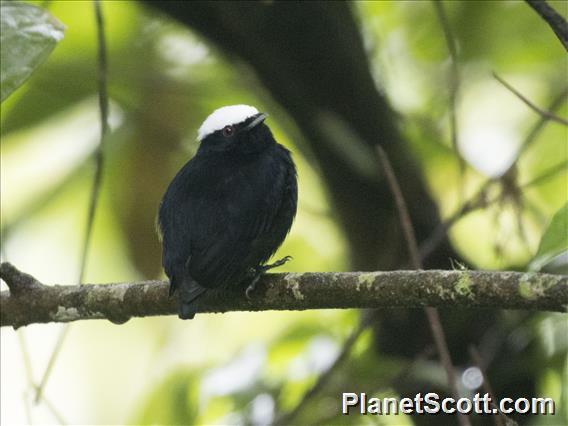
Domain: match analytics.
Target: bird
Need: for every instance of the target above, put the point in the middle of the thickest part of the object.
(228, 209)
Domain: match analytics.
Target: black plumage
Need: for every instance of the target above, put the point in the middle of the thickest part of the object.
(227, 210)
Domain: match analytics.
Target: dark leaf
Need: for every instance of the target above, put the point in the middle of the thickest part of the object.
(27, 37)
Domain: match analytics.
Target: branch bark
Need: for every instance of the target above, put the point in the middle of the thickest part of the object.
(39, 303)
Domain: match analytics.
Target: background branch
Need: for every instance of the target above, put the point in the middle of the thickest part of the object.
(545, 114)
(289, 291)
(480, 198)
(552, 18)
(431, 313)
(97, 180)
(454, 89)
(322, 380)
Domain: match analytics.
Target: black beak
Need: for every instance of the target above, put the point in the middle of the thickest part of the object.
(257, 120)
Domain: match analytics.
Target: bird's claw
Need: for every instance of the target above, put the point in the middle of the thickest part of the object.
(257, 272)
(248, 292)
(279, 262)
(252, 286)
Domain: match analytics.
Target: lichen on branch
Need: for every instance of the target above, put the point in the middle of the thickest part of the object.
(29, 301)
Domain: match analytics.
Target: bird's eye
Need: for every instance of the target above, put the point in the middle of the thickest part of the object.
(228, 131)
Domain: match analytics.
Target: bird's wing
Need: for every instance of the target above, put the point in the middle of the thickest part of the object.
(174, 223)
(216, 219)
(233, 222)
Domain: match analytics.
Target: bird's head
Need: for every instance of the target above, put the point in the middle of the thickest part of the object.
(234, 127)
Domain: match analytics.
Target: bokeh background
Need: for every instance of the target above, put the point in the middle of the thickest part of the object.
(164, 79)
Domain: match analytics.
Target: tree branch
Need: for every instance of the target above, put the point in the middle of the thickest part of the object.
(322, 380)
(431, 313)
(545, 114)
(552, 18)
(455, 85)
(480, 199)
(289, 291)
(96, 186)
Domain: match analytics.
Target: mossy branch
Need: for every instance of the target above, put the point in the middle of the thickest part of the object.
(31, 302)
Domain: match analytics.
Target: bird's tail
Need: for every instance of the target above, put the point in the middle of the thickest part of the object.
(188, 295)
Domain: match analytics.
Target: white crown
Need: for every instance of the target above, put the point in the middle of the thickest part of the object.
(225, 116)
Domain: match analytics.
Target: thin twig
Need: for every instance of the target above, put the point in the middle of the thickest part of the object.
(455, 84)
(476, 202)
(539, 125)
(479, 199)
(29, 375)
(365, 322)
(402, 209)
(97, 179)
(545, 175)
(387, 385)
(55, 412)
(26, 357)
(323, 379)
(437, 236)
(50, 364)
(501, 419)
(552, 18)
(545, 114)
(29, 378)
(444, 354)
(431, 313)
(99, 157)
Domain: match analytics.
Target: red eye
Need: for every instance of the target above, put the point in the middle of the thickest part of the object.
(228, 131)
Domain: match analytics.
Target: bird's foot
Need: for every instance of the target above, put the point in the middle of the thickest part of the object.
(258, 271)
(252, 284)
(276, 264)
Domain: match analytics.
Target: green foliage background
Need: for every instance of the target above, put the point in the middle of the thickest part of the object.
(164, 80)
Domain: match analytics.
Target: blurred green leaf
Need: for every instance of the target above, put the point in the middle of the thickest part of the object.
(172, 402)
(163, 81)
(27, 37)
(554, 241)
